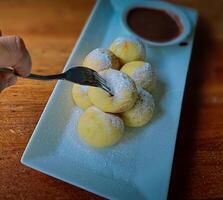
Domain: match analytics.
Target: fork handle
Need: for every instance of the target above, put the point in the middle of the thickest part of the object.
(61, 76)
(45, 78)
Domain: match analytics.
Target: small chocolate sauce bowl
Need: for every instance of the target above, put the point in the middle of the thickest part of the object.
(157, 23)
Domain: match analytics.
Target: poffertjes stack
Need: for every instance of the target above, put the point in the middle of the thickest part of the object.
(104, 117)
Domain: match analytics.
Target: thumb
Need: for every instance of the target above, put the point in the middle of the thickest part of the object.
(14, 54)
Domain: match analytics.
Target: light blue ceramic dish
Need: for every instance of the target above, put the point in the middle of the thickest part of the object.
(139, 167)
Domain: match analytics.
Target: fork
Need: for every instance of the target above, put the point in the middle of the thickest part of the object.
(80, 75)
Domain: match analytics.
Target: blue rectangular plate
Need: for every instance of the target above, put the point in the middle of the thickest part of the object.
(139, 167)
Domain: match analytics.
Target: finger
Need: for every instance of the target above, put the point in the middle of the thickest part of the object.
(14, 54)
(7, 80)
(23, 67)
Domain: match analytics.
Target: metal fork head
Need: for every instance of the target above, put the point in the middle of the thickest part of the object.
(87, 76)
(103, 83)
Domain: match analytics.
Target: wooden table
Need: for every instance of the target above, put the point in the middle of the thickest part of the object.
(50, 30)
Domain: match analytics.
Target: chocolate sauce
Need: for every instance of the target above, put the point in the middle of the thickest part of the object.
(154, 24)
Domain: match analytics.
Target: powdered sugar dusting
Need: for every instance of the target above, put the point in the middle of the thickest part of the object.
(118, 82)
(145, 102)
(113, 119)
(101, 57)
(144, 76)
(83, 88)
(117, 162)
(77, 114)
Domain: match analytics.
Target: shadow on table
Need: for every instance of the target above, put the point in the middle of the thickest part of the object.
(186, 143)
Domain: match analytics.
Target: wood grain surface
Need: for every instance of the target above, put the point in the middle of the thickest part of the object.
(50, 30)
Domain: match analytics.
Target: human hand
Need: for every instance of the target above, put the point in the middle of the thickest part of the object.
(13, 53)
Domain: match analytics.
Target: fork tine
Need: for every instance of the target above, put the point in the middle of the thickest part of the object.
(107, 89)
(100, 82)
(88, 77)
(104, 86)
(100, 78)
